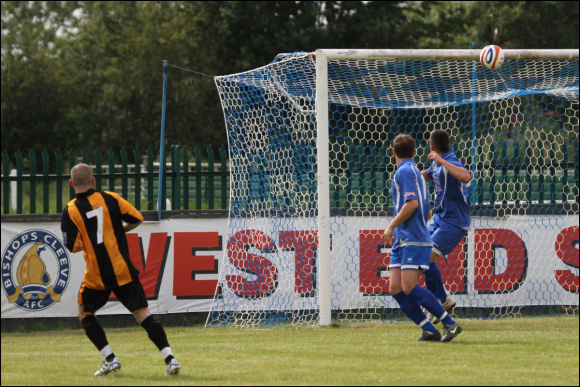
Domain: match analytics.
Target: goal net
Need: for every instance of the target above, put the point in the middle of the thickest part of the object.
(310, 138)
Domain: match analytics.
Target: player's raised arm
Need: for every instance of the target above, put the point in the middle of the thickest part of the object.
(458, 172)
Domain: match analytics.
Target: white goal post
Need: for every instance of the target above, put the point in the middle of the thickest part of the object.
(309, 138)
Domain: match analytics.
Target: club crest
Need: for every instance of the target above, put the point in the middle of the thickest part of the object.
(35, 270)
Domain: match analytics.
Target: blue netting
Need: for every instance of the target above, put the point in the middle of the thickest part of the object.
(515, 129)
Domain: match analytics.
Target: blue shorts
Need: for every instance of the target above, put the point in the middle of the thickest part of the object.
(410, 258)
(445, 237)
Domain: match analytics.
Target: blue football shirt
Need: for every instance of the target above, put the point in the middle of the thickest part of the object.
(409, 184)
(452, 197)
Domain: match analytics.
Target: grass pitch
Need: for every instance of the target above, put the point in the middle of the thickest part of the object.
(524, 351)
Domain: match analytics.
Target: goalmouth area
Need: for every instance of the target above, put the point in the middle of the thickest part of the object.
(310, 169)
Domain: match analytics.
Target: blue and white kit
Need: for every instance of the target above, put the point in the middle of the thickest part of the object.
(451, 217)
(412, 240)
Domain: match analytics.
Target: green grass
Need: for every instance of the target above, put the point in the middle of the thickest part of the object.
(524, 351)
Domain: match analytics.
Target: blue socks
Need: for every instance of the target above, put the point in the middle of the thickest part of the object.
(434, 282)
(428, 301)
(412, 309)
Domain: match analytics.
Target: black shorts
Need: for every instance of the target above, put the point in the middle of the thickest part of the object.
(131, 295)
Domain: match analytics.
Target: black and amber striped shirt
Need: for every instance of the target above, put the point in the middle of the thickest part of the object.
(93, 223)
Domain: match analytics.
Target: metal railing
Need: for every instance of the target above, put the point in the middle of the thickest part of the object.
(193, 179)
(199, 179)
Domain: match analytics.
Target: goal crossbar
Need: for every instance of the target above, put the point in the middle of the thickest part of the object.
(448, 54)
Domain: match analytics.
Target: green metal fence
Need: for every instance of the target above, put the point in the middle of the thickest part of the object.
(199, 178)
(194, 178)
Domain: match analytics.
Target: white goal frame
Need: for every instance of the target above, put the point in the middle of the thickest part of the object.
(322, 58)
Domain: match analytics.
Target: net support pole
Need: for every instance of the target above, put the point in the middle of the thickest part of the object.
(323, 188)
(161, 144)
(473, 134)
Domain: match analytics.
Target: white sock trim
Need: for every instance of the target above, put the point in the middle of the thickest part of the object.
(424, 322)
(443, 315)
(166, 352)
(106, 351)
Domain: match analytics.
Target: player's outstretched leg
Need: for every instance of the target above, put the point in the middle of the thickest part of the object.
(428, 300)
(96, 334)
(157, 335)
(414, 312)
(433, 280)
(434, 283)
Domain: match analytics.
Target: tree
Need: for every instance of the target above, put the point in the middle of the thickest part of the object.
(528, 24)
(89, 74)
(33, 83)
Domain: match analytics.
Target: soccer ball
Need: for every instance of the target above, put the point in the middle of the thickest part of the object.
(491, 57)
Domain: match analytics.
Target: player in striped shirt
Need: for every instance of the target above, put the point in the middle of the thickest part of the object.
(95, 223)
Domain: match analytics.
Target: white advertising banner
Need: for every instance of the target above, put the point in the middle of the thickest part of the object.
(518, 260)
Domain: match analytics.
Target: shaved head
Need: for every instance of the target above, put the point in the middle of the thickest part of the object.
(81, 175)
